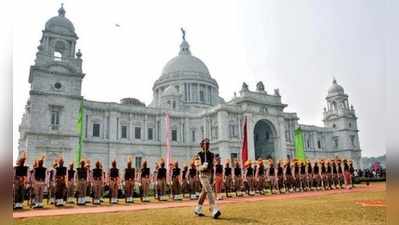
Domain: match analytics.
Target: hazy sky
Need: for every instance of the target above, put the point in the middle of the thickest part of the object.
(296, 46)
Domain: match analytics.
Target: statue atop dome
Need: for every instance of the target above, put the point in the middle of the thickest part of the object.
(183, 33)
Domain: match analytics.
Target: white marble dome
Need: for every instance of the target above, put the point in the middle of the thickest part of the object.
(60, 24)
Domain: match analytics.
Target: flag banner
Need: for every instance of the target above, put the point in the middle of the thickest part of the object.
(299, 144)
(168, 154)
(244, 147)
(79, 129)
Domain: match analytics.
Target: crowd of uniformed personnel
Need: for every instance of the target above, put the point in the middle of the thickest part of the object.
(83, 185)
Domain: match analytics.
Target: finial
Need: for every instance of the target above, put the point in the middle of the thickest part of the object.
(61, 11)
(334, 80)
(183, 33)
(79, 54)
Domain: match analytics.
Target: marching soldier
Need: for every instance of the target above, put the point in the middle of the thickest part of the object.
(272, 178)
(316, 176)
(218, 177)
(260, 176)
(114, 182)
(161, 179)
(204, 162)
(297, 177)
(145, 180)
(302, 177)
(249, 176)
(71, 184)
(82, 178)
(238, 179)
(20, 181)
(323, 174)
(347, 177)
(176, 186)
(280, 177)
(193, 181)
(89, 188)
(39, 182)
(228, 178)
(309, 175)
(351, 171)
(289, 179)
(60, 183)
(155, 180)
(129, 181)
(30, 189)
(340, 174)
(329, 175)
(335, 180)
(185, 186)
(51, 183)
(98, 181)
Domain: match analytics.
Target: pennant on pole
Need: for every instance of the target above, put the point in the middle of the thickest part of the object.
(79, 128)
(244, 147)
(299, 144)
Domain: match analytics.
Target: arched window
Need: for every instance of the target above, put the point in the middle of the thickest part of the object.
(59, 49)
(57, 56)
(334, 105)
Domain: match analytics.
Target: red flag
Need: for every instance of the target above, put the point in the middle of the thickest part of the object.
(244, 147)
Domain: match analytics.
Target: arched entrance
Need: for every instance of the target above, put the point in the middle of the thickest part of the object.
(264, 138)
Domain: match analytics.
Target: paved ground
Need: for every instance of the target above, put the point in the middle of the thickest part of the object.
(185, 203)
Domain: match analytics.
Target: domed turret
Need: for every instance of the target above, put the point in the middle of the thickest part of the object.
(335, 89)
(60, 24)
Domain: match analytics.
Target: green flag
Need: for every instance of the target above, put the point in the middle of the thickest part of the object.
(299, 145)
(79, 128)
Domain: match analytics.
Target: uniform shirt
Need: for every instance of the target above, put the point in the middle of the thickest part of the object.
(176, 172)
(351, 169)
(227, 171)
(261, 170)
(208, 157)
(60, 171)
(303, 169)
(114, 172)
(82, 173)
(51, 175)
(346, 167)
(184, 173)
(328, 168)
(192, 172)
(97, 173)
(237, 171)
(288, 170)
(272, 171)
(316, 169)
(250, 172)
(40, 173)
(145, 172)
(296, 169)
(334, 168)
(339, 168)
(71, 174)
(161, 173)
(309, 168)
(218, 169)
(323, 168)
(129, 173)
(280, 171)
(21, 171)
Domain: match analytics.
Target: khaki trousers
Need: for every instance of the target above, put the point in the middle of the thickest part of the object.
(206, 190)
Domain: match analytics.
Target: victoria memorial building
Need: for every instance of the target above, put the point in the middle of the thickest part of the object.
(187, 92)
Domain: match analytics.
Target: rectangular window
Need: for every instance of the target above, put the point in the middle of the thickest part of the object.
(150, 134)
(202, 132)
(96, 130)
(124, 132)
(55, 118)
(174, 135)
(233, 157)
(202, 96)
(318, 144)
(137, 132)
(335, 140)
(353, 140)
(158, 130)
(193, 136)
(138, 162)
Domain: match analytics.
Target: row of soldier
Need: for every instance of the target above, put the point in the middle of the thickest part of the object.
(254, 177)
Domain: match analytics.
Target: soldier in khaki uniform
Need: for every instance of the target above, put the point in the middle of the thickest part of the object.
(82, 179)
(114, 182)
(20, 182)
(145, 181)
(60, 182)
(39, 182)
(130, 175)
(228, 179)
(97, 180)
(260, 177)
(238, 179)
(71, 174)
(176, 183)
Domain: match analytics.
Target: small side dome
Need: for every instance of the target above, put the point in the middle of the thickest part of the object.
(132, 101)
(335, 89)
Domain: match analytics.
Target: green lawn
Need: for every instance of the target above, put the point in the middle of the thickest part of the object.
(334, 209)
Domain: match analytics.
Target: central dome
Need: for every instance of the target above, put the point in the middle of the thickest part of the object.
(60, 24)
(184, 64)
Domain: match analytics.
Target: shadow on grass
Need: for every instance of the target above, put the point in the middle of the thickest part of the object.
(239, 220)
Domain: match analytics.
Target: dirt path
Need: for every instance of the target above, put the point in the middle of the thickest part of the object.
(184, 203)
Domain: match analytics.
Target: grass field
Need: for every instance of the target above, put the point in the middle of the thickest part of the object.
(340, 209)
